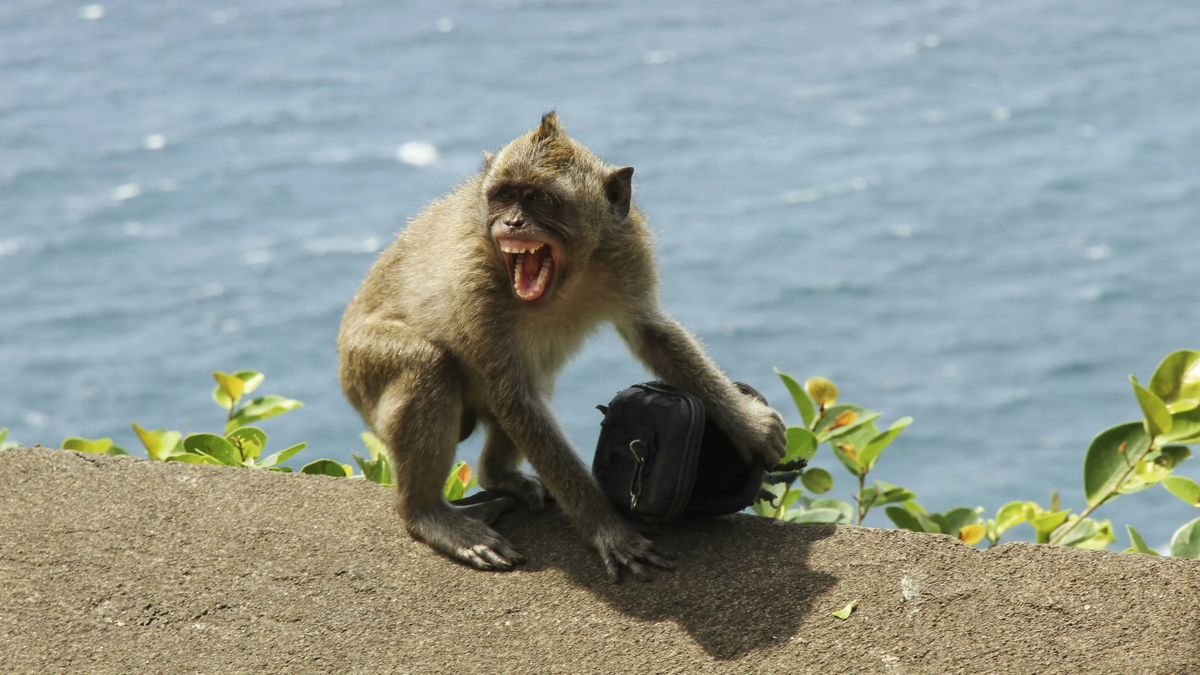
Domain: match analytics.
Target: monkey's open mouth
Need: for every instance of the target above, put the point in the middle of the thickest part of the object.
(530, 266)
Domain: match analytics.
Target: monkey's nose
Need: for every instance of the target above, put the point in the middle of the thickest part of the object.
(515, 222)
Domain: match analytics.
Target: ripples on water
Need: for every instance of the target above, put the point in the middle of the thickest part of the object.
(981, 214)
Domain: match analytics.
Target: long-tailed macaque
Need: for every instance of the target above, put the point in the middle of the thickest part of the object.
(474, 309)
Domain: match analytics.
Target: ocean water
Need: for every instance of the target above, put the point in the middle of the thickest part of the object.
(982, 214)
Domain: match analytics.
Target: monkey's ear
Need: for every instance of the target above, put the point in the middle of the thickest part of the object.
(549, 128)
(487, 159)
(618, 187)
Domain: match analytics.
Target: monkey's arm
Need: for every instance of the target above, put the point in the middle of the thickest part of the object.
(672, 354)
(526, 417)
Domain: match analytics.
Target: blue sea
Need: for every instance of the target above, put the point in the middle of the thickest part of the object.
(982, 214)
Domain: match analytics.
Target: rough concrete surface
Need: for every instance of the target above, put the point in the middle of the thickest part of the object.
(121, 565)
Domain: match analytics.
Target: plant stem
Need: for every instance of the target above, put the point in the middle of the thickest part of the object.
(1116, 486)
(860, 512)
(782, 508)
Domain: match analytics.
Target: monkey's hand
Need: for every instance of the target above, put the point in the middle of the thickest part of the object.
(620, 546)
(757, 429)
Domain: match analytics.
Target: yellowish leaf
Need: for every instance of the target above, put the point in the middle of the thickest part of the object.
(971, 534)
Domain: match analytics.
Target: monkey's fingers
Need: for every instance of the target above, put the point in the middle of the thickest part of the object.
(610, 567)
(492, 557)
(660, 559)
(473, 559)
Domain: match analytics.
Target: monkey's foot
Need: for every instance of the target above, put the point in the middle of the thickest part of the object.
(467, 539)
(620, 547)
(524, 487)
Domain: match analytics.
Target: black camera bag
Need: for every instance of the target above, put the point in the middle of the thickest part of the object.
(659, 458)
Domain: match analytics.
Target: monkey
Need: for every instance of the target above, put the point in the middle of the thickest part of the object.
(468, 316)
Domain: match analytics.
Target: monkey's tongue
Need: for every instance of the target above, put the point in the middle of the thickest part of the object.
(531, 273)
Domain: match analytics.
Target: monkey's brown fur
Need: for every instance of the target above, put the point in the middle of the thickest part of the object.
(438, 339)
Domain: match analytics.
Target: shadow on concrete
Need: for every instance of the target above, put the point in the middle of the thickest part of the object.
(741, 583)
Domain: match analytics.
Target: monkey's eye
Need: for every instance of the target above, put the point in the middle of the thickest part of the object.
(539, 196)
(505, 193)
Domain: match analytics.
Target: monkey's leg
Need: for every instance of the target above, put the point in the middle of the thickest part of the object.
(500, 470)
(527, 420)
(419, 416)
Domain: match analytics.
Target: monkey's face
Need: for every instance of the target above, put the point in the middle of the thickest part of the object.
(531, 229)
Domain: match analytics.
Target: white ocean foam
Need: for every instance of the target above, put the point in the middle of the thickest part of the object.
(901, 230)
(9, 247)
(1001, 114)
(223, 16)
(445, 25)
(1099, 252)
(212, 290)
(134, 228)
(658, 58)
(155, 142)
(417, 153)
(126, 191)
(259, 256)
(343, 245)
(91, 12)
(932, 41)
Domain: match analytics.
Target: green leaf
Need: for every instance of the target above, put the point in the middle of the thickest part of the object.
(1185, 427)
(844, 508)
(933, 522)
(159, 443)
(214, 446)
(249, 441)
(813, 516)
(261, 408)
(870, 453)
(1186, 542)
(3, 434)
(456, 482)
(1089, 533)
(801, 444)
(844, 613)
(1047, 522)
(1158, 418)
(805, 406)
(886, 493)
(188, 458)
(1184, 488)
(232, 387)
(376, 447)
(272, 461)
(1012, 514)
(1109, 455)
(327, 467)
(1155, 466)
(843, 419)
(903, 519)
(1137, 544)
(817, 480)
(960, 517)
(97, 446)
(1176, 381)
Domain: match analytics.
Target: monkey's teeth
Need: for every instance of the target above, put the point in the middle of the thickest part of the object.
(520, 246)
(539, 284)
